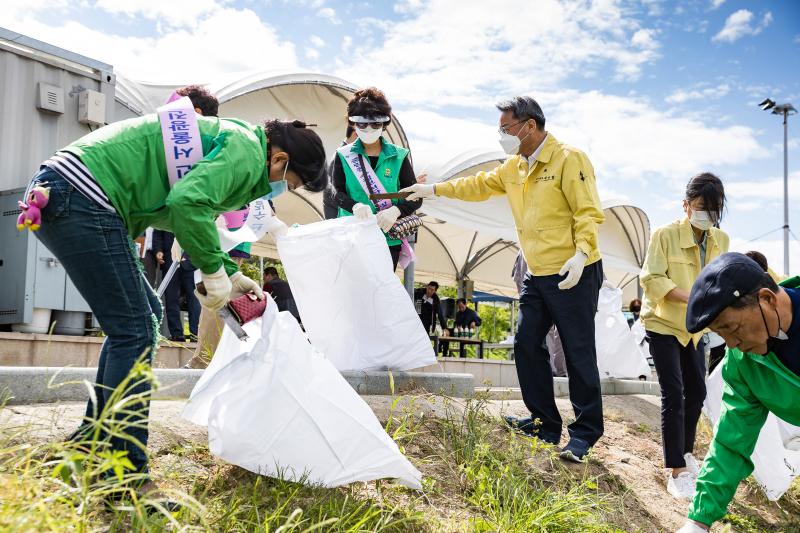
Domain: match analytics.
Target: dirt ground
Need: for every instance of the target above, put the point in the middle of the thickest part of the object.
(627, 462)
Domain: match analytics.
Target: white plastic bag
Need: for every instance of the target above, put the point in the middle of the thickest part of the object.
(354, 308)
(281, 409)
(618, 354)
(776, 466)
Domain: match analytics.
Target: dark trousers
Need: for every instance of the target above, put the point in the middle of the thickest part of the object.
(716, 357)
(395, 251)
(681, 373)
(100, 259)
(182, 281)
(542, 304)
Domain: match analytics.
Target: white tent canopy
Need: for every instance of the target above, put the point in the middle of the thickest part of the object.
(623, 237)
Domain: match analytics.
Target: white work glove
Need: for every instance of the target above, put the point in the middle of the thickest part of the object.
(387, 218)
(244, 285)
(218, 288)
(573, 268)
(361, 211)
(691, 527)
(176, 251)
(419, 191)
(276, 227)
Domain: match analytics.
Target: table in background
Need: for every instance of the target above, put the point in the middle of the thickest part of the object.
(462, 341)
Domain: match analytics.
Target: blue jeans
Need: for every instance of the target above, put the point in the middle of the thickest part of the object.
(94, 246)
(542, 304)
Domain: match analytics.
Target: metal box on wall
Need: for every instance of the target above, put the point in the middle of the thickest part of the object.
(30, 275)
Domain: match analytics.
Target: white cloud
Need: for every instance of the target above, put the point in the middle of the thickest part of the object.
(329, 14)
(225, 40)
(738, 25)
(715, 4)
(630, 138)
(681, 95)
(347, 42)
(311, 53)
(645, 39)
(472, 53)
(316, 41)
(172, 13)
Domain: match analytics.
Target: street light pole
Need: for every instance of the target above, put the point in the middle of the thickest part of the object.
(786, 191)
(785, 110)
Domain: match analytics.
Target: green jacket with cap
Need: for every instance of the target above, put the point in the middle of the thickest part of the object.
(755, 385)
(127, 160)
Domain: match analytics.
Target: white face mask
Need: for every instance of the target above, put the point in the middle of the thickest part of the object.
(369, 135)
(510, 143)
(701, 220)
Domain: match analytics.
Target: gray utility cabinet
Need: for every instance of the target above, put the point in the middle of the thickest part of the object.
(30, 275)
(49, 97)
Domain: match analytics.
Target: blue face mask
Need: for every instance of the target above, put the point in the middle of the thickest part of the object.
(278, 187)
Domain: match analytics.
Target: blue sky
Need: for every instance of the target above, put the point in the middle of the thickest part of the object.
(654, 91)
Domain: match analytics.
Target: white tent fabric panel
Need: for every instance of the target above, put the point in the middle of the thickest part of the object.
(255, 96)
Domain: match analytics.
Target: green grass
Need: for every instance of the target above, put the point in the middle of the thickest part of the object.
(478, 477)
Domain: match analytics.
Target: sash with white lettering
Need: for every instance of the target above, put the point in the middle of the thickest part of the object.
(181, 136)
(369, 181)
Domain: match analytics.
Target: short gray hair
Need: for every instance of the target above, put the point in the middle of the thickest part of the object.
(524, 108)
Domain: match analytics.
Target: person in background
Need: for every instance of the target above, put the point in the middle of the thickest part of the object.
(370, 158)
(676, 255)
(429, 308)
(760, 322)
(181, 284)
(635, 307)
(280, 292)
(151, 264)
(466, 318)
(552, 193)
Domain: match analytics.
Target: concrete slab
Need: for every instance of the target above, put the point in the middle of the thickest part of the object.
(63, 384)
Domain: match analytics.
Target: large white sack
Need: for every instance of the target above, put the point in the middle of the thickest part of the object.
(282, 410)
(354, 308)
(618, 354)
(775, 467)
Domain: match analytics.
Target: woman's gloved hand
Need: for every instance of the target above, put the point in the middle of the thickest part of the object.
(218, 288)
(388, 217)
(276, 227)
(242, 284)
(361, 211)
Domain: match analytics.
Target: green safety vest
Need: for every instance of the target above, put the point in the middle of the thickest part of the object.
(387, 171)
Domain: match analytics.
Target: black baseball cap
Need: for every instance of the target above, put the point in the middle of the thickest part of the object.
(722, 282)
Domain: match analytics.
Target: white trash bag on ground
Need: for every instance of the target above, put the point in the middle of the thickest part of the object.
(618, 354)
(776, 457)
(354, 308)
(280, 409)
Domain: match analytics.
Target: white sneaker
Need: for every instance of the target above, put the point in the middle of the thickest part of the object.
(682, 486)
(692, 465)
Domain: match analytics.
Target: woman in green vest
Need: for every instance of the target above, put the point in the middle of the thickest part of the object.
(372, 165)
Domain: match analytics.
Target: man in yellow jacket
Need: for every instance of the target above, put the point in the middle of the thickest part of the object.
(552, 194)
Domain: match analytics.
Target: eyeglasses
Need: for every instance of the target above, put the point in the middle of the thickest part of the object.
(365, 125)
(504, 129)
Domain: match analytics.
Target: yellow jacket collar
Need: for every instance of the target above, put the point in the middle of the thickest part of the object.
(687, 234)
(545, 153)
